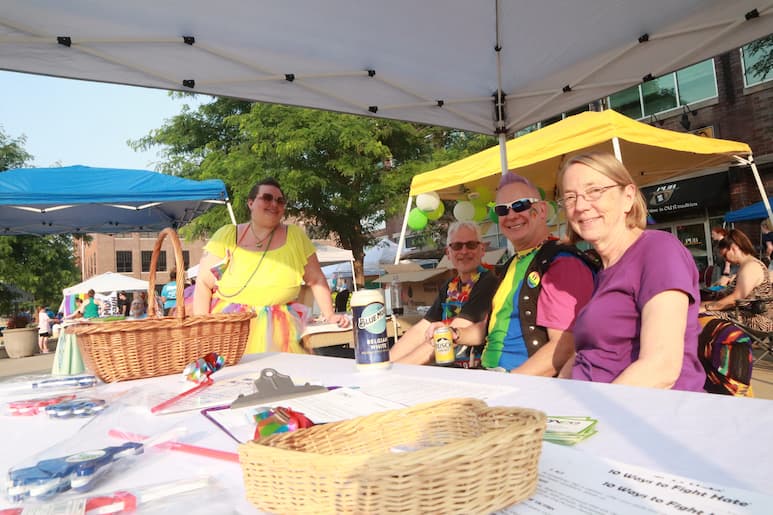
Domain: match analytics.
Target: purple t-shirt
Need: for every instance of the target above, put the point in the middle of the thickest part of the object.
(607, 330)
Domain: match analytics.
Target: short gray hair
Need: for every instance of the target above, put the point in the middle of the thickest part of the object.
(455, 226)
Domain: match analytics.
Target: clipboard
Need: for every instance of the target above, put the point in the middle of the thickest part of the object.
(272, 386)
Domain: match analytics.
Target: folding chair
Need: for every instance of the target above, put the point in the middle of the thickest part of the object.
(758, 306)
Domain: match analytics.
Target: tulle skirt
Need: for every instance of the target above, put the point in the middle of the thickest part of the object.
(274, 328)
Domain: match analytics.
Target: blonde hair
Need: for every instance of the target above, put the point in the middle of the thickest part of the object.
(607, 165)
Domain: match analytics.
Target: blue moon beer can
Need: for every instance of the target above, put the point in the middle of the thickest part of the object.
(371, 345)
(443, 339)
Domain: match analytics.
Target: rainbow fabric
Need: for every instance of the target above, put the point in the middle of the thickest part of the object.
(274, 328)
(504, 346)
(68, 305)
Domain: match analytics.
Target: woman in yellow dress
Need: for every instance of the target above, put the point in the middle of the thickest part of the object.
(260, 265)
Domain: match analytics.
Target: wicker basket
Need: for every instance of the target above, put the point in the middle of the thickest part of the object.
(135, 349)
(463, 457)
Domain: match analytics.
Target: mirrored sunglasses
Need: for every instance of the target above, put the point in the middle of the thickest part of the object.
(457, 245)
(268, 198)
(520, 205)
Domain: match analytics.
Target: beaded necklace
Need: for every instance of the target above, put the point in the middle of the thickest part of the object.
(458, 293)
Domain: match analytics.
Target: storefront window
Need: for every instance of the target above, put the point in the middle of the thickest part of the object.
(693, 236)
(693, 84)
(659, 94)
(757, 59)
(627, 102)
(697, 83)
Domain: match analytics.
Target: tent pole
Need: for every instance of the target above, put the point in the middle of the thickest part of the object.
(760, 186)
(354, 283)
(616, 147)
(503, 153)
(401, 242)
(231, 212)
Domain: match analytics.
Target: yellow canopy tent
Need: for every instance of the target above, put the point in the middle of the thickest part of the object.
(650, 154)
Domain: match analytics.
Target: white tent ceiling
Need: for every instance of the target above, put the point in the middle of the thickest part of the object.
(433, 61)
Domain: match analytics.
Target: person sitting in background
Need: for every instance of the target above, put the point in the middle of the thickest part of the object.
(462, 301)
(169, 293)
(138, 308)
(640, 327)
(752, 281)
(91, 308)
(259, 266)
(44, 328)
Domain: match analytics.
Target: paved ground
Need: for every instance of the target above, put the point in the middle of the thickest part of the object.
(762, 379)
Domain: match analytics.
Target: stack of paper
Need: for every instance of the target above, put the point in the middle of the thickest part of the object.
(569, 430)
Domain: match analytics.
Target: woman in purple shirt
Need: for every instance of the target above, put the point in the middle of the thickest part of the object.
(641, 325)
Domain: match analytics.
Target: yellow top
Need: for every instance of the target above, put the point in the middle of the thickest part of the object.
(278, 278)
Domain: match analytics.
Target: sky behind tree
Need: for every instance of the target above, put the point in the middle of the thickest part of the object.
(68, 122)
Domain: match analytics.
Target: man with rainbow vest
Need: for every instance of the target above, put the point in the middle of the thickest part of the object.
(541, 290)
(461, 302)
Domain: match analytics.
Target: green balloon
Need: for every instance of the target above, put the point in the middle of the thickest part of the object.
(437, 213)
(541, 193)
(485, 195)
(417, 219)
(492, 215)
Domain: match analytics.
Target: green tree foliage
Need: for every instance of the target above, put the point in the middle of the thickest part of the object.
(41, 266)
(12, 153)
(343, 174)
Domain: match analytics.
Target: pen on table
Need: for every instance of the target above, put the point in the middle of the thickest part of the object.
(177, 446)
(66, 381)
(176, 398)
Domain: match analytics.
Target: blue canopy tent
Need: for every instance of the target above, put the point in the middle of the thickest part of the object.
(756, 211)
(81, 199)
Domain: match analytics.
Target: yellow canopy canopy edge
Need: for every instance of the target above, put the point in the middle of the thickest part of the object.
(650, 154)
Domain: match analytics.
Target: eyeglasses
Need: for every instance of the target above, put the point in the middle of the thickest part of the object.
(457, 245)
(590, 195)
(268, 198)
(520, 205)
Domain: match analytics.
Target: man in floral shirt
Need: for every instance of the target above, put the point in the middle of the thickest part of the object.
(461, 302)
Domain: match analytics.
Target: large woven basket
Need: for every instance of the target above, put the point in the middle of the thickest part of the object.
(135, 349)
(459, 456)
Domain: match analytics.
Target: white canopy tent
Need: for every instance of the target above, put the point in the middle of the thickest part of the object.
(108, 282)
(106, 286)
(339, 261)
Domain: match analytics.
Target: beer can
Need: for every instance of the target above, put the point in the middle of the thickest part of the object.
(371, 345)
(443, 339)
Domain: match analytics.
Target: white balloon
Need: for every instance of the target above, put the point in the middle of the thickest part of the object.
(427, 201)
(464, 211)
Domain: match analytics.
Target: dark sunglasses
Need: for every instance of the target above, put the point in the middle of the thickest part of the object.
(457, 245)
(519, 206)
(268, 198)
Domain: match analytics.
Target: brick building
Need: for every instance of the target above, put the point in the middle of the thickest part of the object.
(130, 254)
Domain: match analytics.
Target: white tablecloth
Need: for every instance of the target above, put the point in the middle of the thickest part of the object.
(707, 437)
